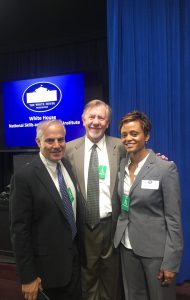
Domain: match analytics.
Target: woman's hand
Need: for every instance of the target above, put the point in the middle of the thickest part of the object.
(166, 277)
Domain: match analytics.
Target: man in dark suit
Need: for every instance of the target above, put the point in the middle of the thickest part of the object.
(45, 237)
(101, 276)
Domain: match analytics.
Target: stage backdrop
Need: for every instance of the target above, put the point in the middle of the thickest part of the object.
(149, 70)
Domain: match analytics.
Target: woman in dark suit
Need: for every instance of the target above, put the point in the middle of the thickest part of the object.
(149, 226)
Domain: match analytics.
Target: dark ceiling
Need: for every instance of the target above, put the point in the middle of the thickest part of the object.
(37, 22)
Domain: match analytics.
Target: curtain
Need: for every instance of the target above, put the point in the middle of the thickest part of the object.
(149, 70)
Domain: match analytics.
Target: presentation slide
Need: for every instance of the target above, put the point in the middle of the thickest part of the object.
(27, 102)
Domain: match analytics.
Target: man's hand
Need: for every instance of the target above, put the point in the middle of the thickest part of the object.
(166, 277)
(163, 157)
(30, 290)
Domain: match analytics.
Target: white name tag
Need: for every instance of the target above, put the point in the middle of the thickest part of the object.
(150, 184)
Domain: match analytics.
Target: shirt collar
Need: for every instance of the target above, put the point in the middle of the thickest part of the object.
(141, 163)
(100, 144)
(48, 163)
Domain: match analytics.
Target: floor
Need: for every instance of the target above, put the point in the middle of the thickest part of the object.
(10, 287)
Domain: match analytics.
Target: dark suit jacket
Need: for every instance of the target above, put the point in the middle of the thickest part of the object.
(40, 233)
(75, 154)
(154, 218)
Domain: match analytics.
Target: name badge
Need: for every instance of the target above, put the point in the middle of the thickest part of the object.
(70, 194)
(150, 184)
(102, 172)
(125, 201)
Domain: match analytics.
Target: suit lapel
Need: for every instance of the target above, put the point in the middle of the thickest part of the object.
(69, 170)
(113, 162)
(123, 164)
(146, 168)
(78, 156)
(47, 182)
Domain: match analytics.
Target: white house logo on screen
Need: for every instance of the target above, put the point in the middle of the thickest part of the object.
(42, 96)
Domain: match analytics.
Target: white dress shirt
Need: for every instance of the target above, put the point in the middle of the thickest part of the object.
(105, 205)
(127, 185)
(52, 170)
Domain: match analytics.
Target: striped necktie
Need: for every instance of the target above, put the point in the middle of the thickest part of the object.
(92, 205)
(66, 201)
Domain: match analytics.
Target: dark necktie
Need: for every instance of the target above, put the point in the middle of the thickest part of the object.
(92, 204)
(66, 201)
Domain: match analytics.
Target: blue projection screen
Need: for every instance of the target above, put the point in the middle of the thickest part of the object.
(27, 102)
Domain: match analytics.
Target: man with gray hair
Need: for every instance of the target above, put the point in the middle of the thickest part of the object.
(101, 278)
(45, 208)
